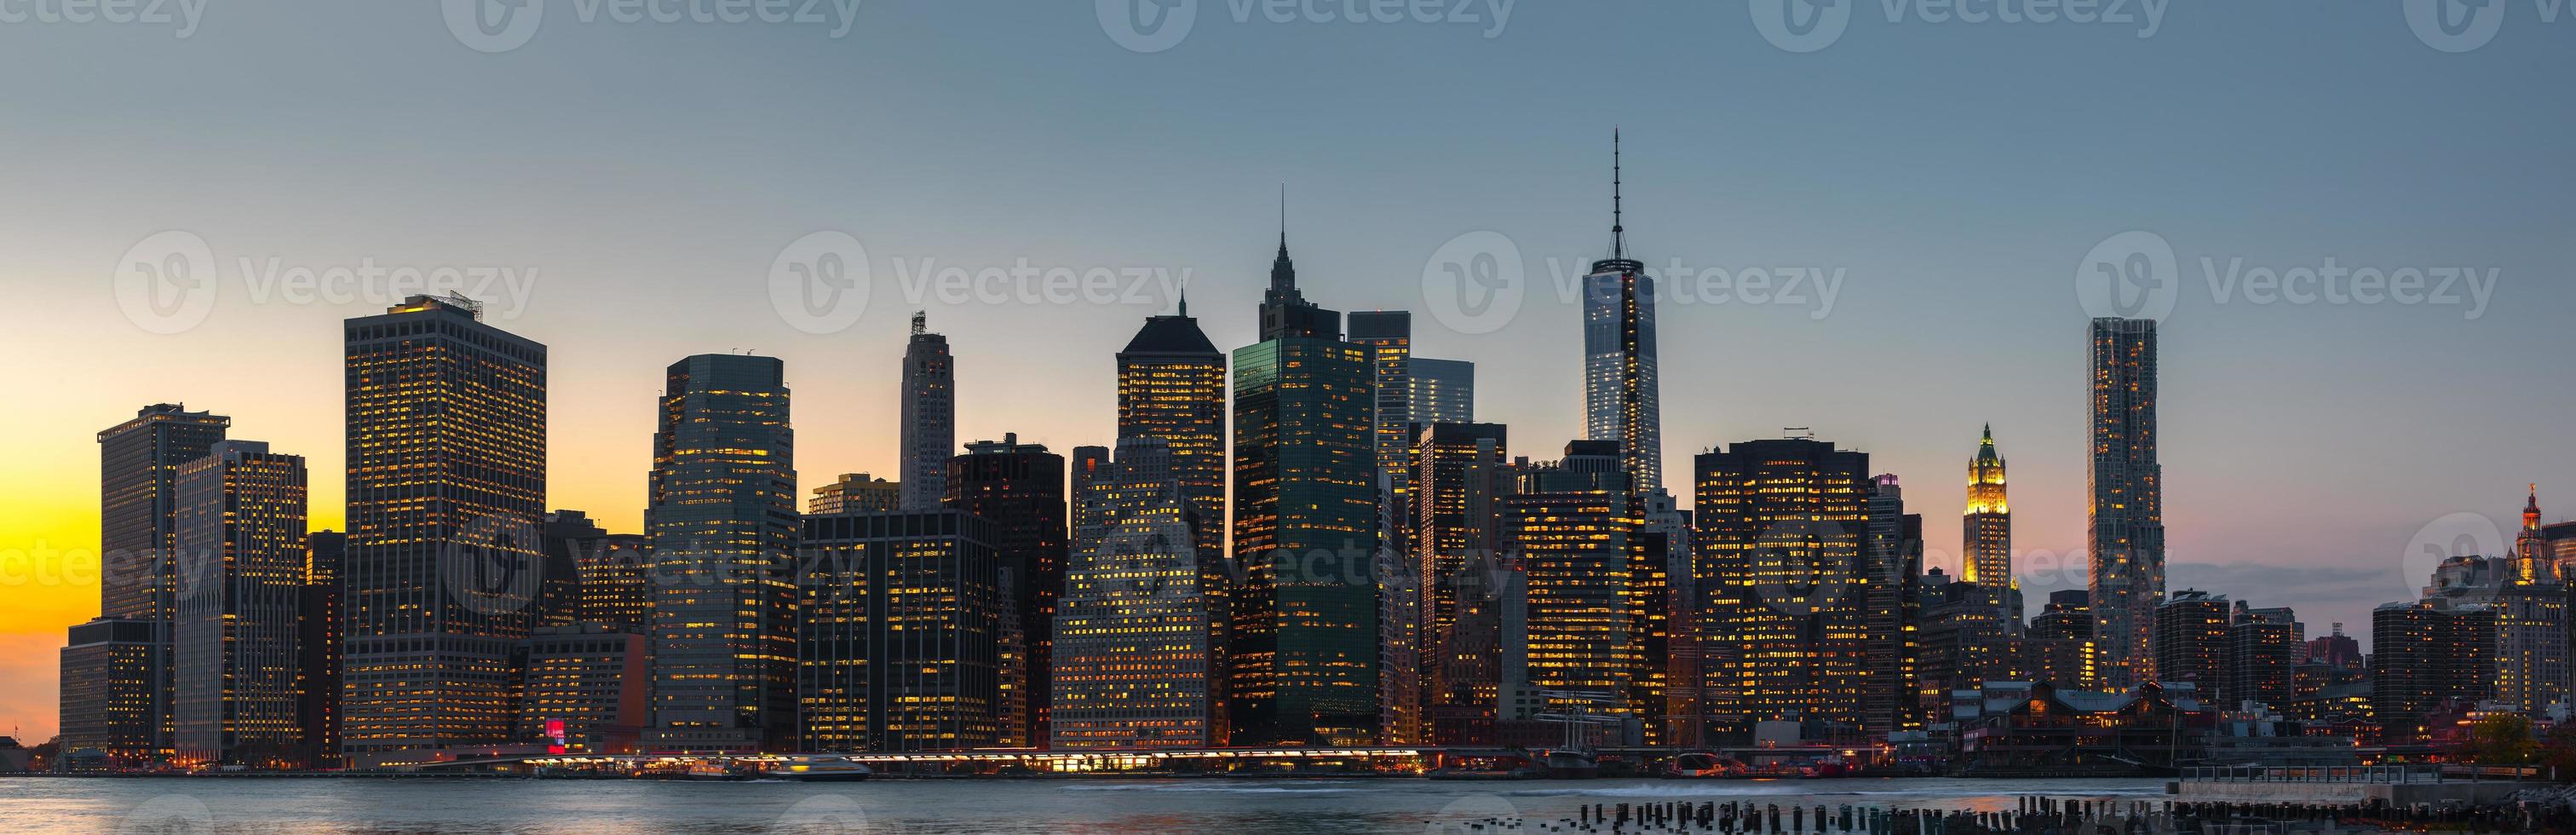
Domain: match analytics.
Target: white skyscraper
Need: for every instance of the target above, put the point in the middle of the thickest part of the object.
(929, 418)
(1619, 390)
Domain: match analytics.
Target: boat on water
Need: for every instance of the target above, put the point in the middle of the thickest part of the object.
(823, 769)
(1702, 765)
(709, 771)
(1566, 764)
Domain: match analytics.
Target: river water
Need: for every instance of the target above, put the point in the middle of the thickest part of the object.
(1108, 806)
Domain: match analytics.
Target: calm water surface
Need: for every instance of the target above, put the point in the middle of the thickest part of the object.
(293, 806)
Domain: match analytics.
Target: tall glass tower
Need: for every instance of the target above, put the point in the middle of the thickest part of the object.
(2127, 526)
(447, 487)
(1619, 389)
(721, 516)
(1303, 652)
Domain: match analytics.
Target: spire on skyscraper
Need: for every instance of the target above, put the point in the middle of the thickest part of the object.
(1618, 230)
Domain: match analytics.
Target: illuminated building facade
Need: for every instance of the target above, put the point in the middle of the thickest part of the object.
(1780, 532)
(2531, 670)
(1962, 645)
(2126, 525)
(1387, 335)
(241, 574)
(2061, 641)
(929, 419)
(1986, 553)
(855, 493)
(899, 632)
(110, 681)
(139, 464)
(1620, 390)
(1019, 489)
(2191, 643)
(2264, 648)
(1302, 651)
(570, 535)
(721, 516)
(1668, 528)
(616, 584)
(1132, 659)
(1891, 608)
(1171, 385)
(446, 486)
(2424, 654)
(318, 632)
(1461, 475)
(1597, 617)
(588, 687)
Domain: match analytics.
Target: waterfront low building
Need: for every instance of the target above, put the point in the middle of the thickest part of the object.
(586, 688)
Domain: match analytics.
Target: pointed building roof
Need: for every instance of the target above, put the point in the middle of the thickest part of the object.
(1986, 448)
(1178, 334)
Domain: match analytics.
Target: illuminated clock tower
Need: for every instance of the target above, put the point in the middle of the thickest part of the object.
(1986, 557)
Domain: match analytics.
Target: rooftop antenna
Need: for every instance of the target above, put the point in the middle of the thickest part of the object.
(1618, 230)
(1185, 299)
(1283, 215)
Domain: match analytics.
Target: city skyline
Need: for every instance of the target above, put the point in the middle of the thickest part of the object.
(2329, 478)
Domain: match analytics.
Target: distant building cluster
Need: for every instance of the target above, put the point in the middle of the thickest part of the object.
(1310, 540)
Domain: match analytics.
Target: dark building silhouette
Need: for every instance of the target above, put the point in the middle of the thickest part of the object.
(899, 633)
(1019, 489)
(723, 526)
(138, 474)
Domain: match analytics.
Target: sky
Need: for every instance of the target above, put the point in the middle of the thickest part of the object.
(1888, 229)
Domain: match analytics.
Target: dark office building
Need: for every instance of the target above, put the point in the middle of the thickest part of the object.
(2425, 654)
(1781, 527)
(899, 633)
(723, 526)
(1019, 490)
(138, 474)
(241, 578)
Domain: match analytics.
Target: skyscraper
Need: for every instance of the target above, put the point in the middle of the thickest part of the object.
(1444, 391)
(613, 583)
(1388, 337)
(929, 417)
(2127, 523)
(138, 473)
(1171, 385)
(318, 631)
(2532, 666)
(1019, 489)
(1891, 578)
(1302, 654)
(241, 572)
(1460, 479)
(1597, 614)
(1986, 553)
(1781, 526)
(1131, 637)
(446, 484)
(898, 633)
(1620, 396)
(721, 516)
(2061, 641)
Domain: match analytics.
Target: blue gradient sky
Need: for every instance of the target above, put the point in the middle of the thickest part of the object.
(1957, 174)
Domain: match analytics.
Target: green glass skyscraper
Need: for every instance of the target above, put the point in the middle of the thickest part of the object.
(1303, 653)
